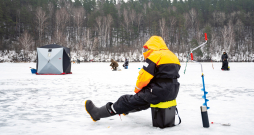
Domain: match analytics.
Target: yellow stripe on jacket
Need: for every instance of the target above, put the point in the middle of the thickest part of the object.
(143, 79)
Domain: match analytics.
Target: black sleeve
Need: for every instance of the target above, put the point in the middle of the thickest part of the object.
(150, 67)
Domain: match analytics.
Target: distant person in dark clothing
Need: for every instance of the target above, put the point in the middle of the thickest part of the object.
(114, 65)
(225, 65)
(224, 60)
(78, 61)
(126, 64)
(224, 56)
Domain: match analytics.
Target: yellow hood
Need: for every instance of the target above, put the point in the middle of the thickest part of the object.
(155, 43)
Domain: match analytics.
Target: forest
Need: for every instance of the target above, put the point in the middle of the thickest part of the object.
(104, 29)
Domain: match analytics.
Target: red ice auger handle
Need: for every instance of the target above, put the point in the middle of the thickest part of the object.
(205, 36)
(191, 56)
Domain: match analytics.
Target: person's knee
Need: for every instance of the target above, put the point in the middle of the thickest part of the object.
(124, 98)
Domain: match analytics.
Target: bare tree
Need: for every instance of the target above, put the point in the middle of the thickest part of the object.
(132, 16)
(228, 37)
(192, 17)
(214, 45)
(163, 27)
(50, 16)
(69, 8)
(145, 7)
(119, 13)
(118, 7)
(172, 21)
(219, 17)
(139, 17)
(99, 29)
(59, 37)
(79, 19)
(186, 20)
(88, 41)
(95, 43)
(18, 24)
(149, 4)
(62, 18)
(51, 8)
(126, 21)
(41, 19)
(126, 18)
(58, 20)
(104, 31)
(108, 22)
(79, 16)
(239, 28)
(26, 41)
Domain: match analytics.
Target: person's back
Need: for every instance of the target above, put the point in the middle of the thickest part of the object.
(224, 56)
(126, 62)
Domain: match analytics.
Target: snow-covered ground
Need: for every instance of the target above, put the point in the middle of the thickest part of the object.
(54, 104)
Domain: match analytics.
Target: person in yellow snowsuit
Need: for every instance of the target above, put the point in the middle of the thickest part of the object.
(157, 82)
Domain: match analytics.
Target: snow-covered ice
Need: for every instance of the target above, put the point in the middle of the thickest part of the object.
(54, 104)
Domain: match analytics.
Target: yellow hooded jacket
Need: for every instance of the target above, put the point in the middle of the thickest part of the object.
(161, 63)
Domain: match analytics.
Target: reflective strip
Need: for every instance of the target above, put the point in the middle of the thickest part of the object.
(137, 88)
(166, 104)
(113, 108)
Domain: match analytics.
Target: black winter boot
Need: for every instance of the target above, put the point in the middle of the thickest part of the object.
(97, 113)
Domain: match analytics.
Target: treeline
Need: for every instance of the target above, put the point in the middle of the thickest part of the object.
(93, 27)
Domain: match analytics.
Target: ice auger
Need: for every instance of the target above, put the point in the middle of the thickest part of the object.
(204, 107)
(203, 89)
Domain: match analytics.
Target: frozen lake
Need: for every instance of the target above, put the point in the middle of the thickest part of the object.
(54, 104)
